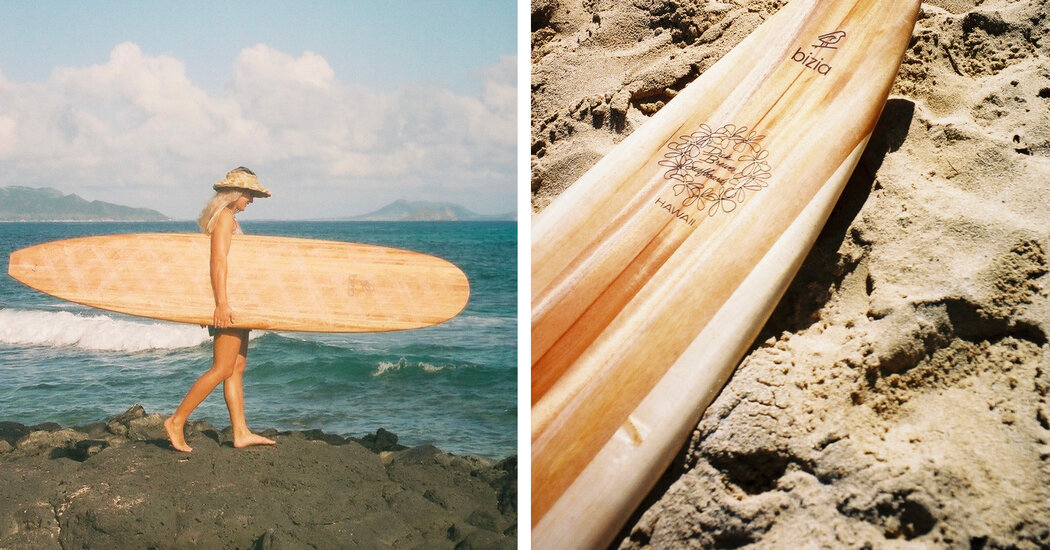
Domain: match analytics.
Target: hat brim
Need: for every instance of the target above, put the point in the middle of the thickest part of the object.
(257, 193)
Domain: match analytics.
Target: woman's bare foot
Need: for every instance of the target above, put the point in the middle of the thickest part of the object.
(176, 435)
(249, 439)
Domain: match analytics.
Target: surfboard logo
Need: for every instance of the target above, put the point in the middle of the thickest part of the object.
(359, 286)
(814, 60)
(714, 170)
(826, 40)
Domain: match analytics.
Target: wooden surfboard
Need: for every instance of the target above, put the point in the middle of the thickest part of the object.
(274, 283)
(654, 272)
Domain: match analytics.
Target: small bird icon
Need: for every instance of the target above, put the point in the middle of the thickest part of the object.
(826, 40)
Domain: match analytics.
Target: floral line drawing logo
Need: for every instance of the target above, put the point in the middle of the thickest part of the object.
(714, 170)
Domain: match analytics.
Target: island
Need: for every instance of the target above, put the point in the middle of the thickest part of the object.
(427, 211)
(44, 204)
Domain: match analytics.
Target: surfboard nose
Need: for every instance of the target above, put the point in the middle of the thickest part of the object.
(17, 266)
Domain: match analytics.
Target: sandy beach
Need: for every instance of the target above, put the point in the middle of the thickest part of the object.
(118, 484)
(899, 396)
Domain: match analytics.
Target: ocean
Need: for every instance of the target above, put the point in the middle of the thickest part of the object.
(453, 385)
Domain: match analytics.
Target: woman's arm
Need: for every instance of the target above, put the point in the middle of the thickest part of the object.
(221, 236)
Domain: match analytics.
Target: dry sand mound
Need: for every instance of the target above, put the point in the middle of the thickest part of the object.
(900, 395)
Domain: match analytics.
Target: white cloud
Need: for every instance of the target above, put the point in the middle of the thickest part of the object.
(136, 130)
(264, 65)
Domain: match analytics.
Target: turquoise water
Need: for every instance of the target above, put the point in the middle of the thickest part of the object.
(452, 385)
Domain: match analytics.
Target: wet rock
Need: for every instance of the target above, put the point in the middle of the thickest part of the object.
(381, 441)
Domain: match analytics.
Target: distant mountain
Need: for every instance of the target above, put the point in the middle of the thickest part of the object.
(424, 211)
(46, 204)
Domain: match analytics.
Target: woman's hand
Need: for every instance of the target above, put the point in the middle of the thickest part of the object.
(223, 316)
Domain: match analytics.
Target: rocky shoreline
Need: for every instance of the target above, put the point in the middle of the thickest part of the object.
(119, 484)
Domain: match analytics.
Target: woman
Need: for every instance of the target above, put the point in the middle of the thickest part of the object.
(233, 194)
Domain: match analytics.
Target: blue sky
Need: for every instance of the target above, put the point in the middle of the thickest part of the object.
(340, 107)
(367, 42)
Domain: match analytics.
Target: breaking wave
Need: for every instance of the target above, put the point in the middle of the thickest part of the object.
(94, 332)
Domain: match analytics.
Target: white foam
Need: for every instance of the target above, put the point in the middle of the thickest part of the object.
(94, 332)
(402, 363)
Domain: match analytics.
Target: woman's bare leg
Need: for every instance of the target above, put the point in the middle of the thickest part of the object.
(233, 391)
(227, 348)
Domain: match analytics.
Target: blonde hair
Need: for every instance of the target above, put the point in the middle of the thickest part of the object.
(222, 199)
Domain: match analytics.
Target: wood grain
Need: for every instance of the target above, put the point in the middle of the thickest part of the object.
(631, 279)
(274, 283)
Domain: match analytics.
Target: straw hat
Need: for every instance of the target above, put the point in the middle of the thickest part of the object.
(243, 179)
